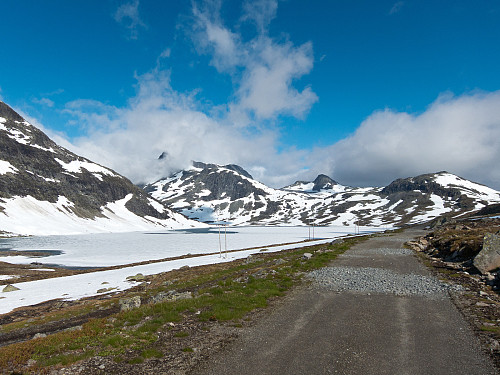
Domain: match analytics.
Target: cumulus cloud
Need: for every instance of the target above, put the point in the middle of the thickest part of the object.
(459, 134)
(263, 68)
(159, 119)
(128, 15)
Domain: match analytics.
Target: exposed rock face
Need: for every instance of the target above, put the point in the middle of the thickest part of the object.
(488, 258)
(33, 166)
(210, 192)
(323, 182)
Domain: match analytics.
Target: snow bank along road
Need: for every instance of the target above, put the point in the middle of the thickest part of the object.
(376, 310)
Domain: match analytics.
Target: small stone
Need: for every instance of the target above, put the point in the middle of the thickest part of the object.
(494, 344)
(39, 335)
(10, 288)
(129, 303)
(307, 256)
(183, 268)
(482, 304)
(31, 362)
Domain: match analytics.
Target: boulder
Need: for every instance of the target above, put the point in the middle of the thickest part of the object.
(307, 256)
(130, 303)
(10, 288)
(171, 295)
(139, 277)
(488, 258)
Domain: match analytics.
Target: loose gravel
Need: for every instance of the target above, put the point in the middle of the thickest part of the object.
(378, 251)
(367, 280)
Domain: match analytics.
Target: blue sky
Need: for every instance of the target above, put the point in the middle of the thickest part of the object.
(364, 91)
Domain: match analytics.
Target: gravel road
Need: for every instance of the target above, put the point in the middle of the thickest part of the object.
(374, 310)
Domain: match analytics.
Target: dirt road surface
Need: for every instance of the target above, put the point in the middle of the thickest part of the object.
(360, 329)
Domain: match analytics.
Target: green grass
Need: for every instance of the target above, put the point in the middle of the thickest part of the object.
(218, 297)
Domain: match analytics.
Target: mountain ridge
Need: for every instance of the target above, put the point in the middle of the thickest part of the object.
(206, 192)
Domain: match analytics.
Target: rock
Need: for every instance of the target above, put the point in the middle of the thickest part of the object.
(279, 261)
(171, 295)
(251, 259)
(482, 304)
(31, 362)
(183, 268)
(138, 277)
(338, 241)
(75, 328)
(488, 258)
(129, 303)
(494, 344)
(10, 288)
(307, 256)
(39, 335)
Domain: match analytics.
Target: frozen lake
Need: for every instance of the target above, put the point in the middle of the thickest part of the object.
(109, 249)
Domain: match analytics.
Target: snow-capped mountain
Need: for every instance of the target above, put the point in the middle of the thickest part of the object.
(209, 192)
(46, 189)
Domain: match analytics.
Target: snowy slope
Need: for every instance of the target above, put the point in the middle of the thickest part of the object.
(210, 193)
(46, 189)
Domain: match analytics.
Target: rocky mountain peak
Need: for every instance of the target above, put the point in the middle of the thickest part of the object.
(323, 182)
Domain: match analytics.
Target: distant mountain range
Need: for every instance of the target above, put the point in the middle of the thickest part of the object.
(46, 189)
(211, 193)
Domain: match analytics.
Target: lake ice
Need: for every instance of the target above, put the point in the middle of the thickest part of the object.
(109, 249)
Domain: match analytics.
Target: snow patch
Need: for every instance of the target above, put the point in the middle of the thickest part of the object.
(76, 166)
(6, 167)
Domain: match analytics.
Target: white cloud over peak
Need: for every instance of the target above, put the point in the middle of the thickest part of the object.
(160, 119)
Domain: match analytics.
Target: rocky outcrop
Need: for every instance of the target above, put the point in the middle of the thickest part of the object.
(488, 258)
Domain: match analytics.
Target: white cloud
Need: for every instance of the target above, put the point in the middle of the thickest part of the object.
(159, 119)
(44, 101)
(458, 134)
(128, 15)
(396, 8)
(260, 12)
(263, 69)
